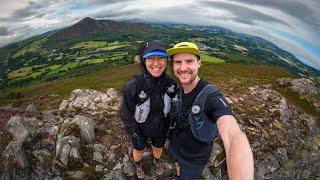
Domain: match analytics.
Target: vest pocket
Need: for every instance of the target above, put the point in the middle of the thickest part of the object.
(167, 104)
(142, 111)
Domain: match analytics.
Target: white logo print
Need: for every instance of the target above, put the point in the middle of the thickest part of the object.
(170, 89)
(195, 109)
(142, 95)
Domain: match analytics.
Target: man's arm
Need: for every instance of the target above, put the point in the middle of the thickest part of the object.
(237, 148)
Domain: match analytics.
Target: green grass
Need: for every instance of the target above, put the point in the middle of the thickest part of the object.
(219, 73)
(30, 48)
(112, 47)
(208, 58)
(239, 58)
(22, 72)
(89, 44)
(91, 61)
(54, 69)
(295, 98)
(230, 78)
(51, 69)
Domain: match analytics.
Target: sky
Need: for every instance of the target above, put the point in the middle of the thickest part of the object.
(292, 25)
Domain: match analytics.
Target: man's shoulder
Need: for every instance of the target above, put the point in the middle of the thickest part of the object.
(211, 88)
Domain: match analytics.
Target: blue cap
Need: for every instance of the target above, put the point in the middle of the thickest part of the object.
(155, 53)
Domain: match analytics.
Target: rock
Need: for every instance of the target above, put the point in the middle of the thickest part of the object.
(282, 155)
(99, 168)
(229, 100)
(67, 146)
(8, 107)
(112, 93)
(92, 101)
(100, 153)
(128, 166)
(303, 86)
(312, 125)
(86, 126)
(40, 154)
(20, 128)
(285, 112)
(16, 152)
(266, 168)
(64, 105)
(31, 108)
(75, 174)
(113, 147)
(206, 174)
(217, 150)
(117, 166)
(48, 116)
(114, 175)
(97, 156)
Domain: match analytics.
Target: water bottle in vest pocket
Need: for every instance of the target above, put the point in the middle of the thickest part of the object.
(142, 109)
(167, 104)
(202, 128)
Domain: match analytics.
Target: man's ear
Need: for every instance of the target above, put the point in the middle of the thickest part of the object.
(199, 61)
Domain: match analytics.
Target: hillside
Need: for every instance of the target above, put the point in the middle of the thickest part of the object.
(95, 44)
(71, 128)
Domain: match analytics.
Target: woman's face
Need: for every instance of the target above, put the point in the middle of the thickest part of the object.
(156, 65)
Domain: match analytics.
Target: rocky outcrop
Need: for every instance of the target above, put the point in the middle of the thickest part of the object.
(85, 139)
(303, 86)
(92, 101)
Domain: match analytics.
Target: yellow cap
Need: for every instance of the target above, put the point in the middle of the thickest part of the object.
(184, 47)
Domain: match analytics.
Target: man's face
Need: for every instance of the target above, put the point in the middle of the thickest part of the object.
(185, 67)
(156, 65)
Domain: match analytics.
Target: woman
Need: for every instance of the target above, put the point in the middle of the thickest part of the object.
(146, 105)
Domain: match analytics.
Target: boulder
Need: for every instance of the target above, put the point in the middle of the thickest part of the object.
(31, 108)
(114, 175)
(66, 147)
(86, 126)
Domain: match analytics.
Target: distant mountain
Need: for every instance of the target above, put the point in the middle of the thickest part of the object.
(100, 43)
(88, 27)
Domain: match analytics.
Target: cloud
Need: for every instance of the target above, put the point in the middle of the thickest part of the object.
(107, 14)
(3, 31)
(103, 2)
(307, 11)
(243, 14)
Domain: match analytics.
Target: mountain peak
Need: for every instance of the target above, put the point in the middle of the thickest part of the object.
(87, 20)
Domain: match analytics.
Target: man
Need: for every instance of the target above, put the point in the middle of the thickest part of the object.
(202, 113)
(146, 105)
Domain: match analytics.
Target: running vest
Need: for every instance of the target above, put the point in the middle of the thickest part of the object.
(201, 126)
(143, 105)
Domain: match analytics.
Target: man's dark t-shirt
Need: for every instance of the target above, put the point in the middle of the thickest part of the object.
(184, 144)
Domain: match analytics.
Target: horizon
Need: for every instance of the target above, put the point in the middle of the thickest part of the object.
(293, 26)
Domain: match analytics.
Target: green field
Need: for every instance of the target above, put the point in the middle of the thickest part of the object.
(30, 48)
(207, 58)
(89, 44)
(91, 61)
(22, 72)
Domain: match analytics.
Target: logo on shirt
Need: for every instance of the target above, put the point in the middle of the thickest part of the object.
(195, 109)
(142, 95)
(170, 89)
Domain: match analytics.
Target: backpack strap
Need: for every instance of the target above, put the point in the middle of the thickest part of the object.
(201, 126)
